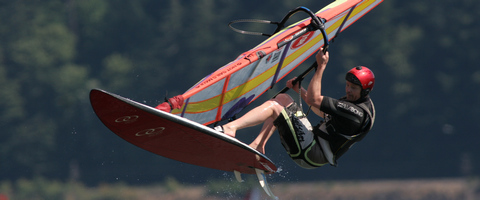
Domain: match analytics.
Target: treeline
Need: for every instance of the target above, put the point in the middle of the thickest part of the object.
(425, 57)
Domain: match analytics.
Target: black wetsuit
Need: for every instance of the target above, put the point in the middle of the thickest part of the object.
(345, 124)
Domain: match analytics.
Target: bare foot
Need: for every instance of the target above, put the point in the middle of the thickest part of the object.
(228, 131)
(255, 146)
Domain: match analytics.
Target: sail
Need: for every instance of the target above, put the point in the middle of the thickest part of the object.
(229, 89)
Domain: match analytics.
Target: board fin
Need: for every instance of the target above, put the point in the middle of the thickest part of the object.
(238, 176)
(263, 182)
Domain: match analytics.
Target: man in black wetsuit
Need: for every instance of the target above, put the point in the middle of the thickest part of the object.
(346, 120)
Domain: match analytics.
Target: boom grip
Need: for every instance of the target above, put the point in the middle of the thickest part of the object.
(299, 78)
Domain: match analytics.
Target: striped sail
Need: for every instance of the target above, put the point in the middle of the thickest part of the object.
(229, 89)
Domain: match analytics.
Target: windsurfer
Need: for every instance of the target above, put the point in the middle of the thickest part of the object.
(345, 121)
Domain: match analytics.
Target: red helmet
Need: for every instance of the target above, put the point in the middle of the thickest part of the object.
(363, 77)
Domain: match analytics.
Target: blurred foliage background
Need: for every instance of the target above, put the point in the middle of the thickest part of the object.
(53, 52)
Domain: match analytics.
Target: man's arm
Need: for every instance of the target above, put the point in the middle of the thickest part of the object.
(314, 96)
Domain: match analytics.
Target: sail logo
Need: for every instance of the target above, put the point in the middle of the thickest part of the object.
(302, 40)
(127, 119)
(276, 56)
(150, 132)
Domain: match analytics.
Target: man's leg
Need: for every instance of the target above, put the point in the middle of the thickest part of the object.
(267, 130)
(265, 113)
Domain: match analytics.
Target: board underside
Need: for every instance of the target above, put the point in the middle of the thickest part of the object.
(175, 137)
